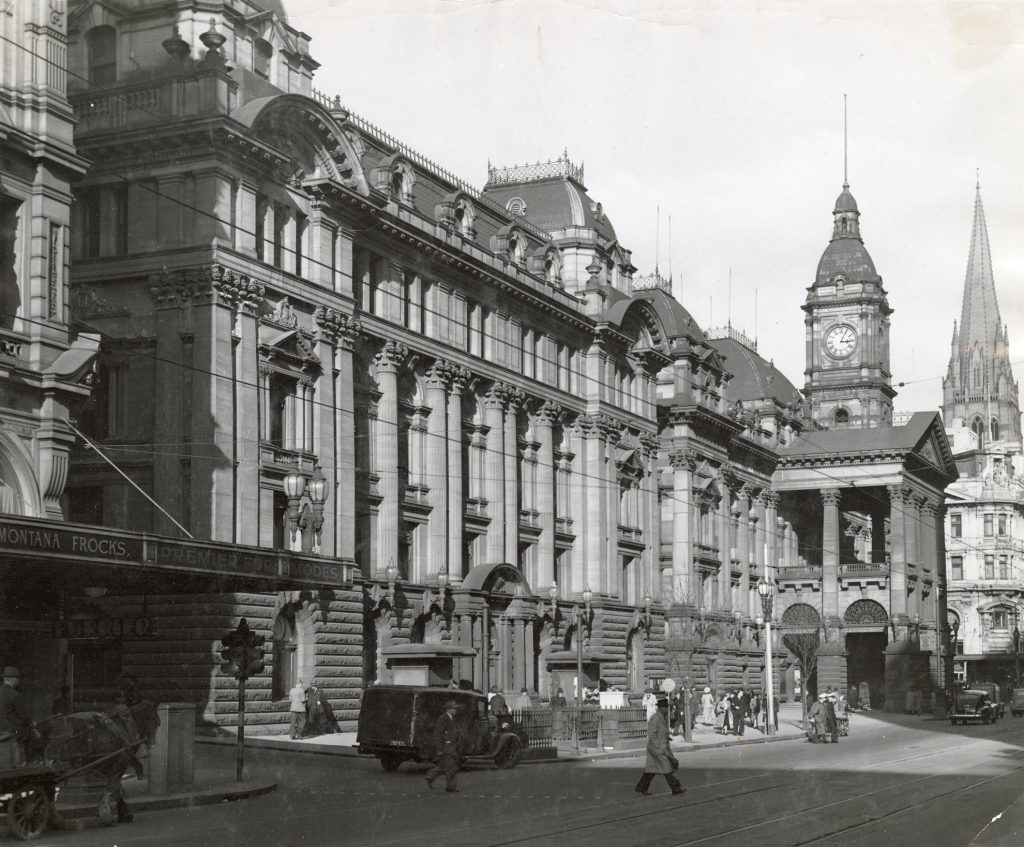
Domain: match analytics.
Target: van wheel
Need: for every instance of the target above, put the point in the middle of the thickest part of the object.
(510, 754)
(391, 761)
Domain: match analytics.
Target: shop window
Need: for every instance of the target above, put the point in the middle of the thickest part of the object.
(956, 525)
(101, 43)
(956, 566)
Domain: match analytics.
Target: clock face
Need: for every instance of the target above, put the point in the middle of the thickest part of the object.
(841, 341)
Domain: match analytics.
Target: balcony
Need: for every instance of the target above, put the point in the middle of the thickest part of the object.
(286, 460)
(864, 574)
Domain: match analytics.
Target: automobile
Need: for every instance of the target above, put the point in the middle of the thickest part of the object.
(995, 694)
(972, 704)
(396, 724)
(1017, 702)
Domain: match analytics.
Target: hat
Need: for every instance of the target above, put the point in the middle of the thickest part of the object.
(452, 704)
(707, 689)
(662, 701)
(10, 671)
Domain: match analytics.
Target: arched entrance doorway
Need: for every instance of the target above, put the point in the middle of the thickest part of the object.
(866, 623)
(497, 616)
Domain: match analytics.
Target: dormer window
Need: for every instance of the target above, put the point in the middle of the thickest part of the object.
(400, 183)
(102, 45)
(465, 218)
(515, 249)
(553, 267)
(261, 54)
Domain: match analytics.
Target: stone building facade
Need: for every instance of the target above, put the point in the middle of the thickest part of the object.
(985, 507)
(319, 344)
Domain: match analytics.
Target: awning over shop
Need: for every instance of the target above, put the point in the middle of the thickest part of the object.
(126, 562)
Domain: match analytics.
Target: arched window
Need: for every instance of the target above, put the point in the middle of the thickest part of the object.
(102, 45)
(995, 430)
(978, 426)
(465, 217)
(261, 53)
(841, 418)
(515, 249)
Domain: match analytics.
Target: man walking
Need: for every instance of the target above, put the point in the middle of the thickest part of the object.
(15, 723)
(448, 743)
(659, 752)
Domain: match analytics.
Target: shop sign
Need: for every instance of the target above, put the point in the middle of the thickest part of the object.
(129, 627)
(68, 542)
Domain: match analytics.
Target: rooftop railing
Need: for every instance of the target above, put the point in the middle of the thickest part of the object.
(648, 282)
(729, 331)
(560, 167)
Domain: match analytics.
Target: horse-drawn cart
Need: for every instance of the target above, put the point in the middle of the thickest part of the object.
(27, 798)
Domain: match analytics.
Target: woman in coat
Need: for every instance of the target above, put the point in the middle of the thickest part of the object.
(659, 752)
(707, 702)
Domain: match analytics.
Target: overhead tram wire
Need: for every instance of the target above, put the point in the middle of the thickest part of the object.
(238, 228)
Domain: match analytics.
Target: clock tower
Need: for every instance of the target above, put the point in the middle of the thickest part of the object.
(848, 381)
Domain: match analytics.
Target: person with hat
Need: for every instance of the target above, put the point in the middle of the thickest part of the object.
(829, 710)
(707, 702)
(659, 752)
(496, 701)
(15, 723)
(448, 744)
(816, 715)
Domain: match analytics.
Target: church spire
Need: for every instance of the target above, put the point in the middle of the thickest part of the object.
(980, 323)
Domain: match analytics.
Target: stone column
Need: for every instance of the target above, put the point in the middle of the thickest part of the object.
(344, 494)
(650, 516)
(830, 499)
(593, 528)
(750, 565)
(519, 654)
(610, 432)
(684, 588)
(724, 521)
(529, 638)
(248, 402)
(515, 399)
(388, 361)
(771, 513)
(168, 423)
(459, 378)
(495, 404)
(212, 411)
(578, 491)
(878, 550)
(438, 382)
(544, 423)
(898, 554)
(743, 547)
(929, 563)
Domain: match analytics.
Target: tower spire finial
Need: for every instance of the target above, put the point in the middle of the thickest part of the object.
(977, 179)
(846, 181)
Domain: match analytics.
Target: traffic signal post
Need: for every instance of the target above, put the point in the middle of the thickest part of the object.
(242, 654)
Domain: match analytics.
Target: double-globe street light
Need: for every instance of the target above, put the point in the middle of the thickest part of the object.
(310, 519)
(766, 589)
(580, 615)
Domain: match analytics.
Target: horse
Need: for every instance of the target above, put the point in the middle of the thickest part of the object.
(101, 744)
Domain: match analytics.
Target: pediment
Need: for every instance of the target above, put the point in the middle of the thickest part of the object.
(291, 346)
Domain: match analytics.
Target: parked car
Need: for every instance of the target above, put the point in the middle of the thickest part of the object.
(972, 704)
(995, 694)
(1017, 702)
(396, 724)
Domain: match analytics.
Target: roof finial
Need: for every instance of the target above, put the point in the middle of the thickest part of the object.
(977, 179)
(846, 182)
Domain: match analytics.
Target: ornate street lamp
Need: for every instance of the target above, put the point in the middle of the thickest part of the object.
(294, 487)
(954, 631)
(580, 615)
(766, 590)
(1016, 650)
(317, 491)
(553, 595)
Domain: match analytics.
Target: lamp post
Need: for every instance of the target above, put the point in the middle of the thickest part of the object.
(553, 595)
(294, 485)
(954, 630)
(767, 591)
(317, 491)
(580, 615)
(1016, 650)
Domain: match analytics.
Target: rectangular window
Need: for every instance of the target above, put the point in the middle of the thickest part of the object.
(262, 205)
(91, 208)
(280, 216)
(1000, 620)
(529, 356)
(956, 566)
(990, 567)
(989, 526)
(121, 219)
(1004, 567)
(300, 241)
(1002, 524)
(475, 314)
(956, 525)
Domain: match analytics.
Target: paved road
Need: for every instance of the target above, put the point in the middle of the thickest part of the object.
(895, 781)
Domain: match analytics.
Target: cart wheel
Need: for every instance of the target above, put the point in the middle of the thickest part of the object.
(106, 809)
(28, 813)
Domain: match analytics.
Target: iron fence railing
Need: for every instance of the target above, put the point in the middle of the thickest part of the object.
(546, 727)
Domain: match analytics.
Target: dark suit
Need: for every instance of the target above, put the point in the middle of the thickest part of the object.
(448, 744)
(15, 721)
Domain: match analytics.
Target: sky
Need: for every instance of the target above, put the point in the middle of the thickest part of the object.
(728, 117)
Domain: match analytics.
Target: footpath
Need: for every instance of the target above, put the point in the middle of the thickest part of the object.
(216, 783)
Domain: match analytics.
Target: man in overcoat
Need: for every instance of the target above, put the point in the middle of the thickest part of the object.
(15, 723)
(659, 752)
(448, 744)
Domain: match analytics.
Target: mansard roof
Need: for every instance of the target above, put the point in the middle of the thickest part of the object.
(753, 378)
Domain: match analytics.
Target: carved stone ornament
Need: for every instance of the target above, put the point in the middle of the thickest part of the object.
(284, 314)
(866, 612)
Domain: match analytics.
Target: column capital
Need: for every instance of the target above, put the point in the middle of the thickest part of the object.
(768, 498)
(897, 493)
(747, 492)
(830, 496)
(391, 356)
(497, 396)
(650, 444)
(337, 328)
(439, 375)
(460, 378)
(685, 460)
(549, 413)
